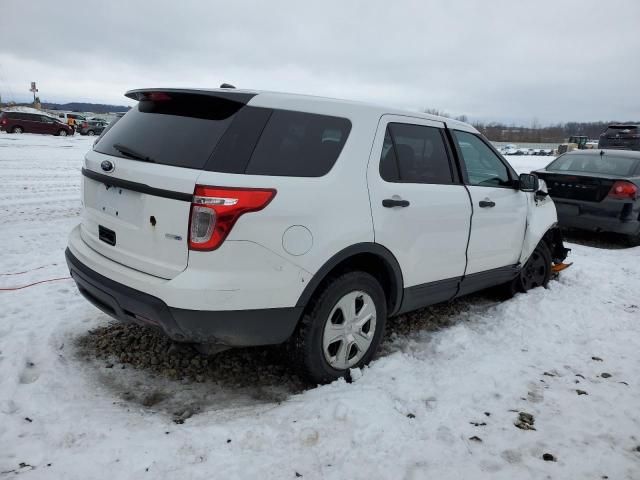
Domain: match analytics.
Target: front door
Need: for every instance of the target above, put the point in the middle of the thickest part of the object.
(499, 209)
(421, 211)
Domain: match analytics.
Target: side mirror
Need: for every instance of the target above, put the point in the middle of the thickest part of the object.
(528, 182)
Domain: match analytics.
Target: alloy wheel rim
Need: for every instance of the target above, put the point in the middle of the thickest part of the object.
(349, 330)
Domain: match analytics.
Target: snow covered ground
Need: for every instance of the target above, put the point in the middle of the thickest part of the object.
(439, 402)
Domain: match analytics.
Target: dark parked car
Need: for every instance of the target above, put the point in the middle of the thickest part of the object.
(27, 122)
(623, 137)
(597, 190)
(92, 127)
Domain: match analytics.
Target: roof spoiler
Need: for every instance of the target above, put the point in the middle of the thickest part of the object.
(229, 94)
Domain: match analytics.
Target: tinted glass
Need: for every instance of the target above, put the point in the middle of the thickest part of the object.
(181, 130)
(484, 167)
(297, 144)
(603, 164)
(414, 154)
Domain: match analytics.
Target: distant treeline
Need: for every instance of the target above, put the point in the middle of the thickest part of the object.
(76, 107)
(535, 133)
(86, 107)
(498, 132)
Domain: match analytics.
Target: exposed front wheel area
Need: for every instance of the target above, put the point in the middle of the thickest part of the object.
(537, 271)
(341, 329)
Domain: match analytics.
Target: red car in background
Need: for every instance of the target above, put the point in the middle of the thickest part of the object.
(26, 122)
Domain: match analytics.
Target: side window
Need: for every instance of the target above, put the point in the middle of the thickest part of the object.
(298, 144)
(414, 154)
(484, 168)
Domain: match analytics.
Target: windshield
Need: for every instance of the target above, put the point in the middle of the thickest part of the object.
(588, 163)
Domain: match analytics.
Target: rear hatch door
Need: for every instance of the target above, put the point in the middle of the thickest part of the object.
(139, 179)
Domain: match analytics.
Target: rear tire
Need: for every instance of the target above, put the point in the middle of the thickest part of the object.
(341, 329)
(536, 272)
(17, 130)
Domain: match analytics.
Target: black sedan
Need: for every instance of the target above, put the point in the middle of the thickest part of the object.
(596, 190)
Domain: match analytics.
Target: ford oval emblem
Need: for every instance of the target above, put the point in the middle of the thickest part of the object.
(107, 166)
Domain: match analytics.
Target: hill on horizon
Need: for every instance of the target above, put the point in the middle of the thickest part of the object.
(79, 107)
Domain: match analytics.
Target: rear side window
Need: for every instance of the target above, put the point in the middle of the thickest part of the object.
(298, 144)
(414, 154)
(179, 129)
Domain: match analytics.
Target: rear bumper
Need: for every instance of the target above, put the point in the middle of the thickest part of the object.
(234, 328)
(583, 216)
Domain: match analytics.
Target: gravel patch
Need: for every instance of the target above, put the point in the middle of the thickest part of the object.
(142, 366)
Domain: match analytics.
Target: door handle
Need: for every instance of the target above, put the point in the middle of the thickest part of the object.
(394, 202)
(487, 203)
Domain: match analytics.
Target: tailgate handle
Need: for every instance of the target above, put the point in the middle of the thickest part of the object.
(106, 235)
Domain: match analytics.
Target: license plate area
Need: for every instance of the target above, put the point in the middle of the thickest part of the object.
(125, 205)
(107, 235)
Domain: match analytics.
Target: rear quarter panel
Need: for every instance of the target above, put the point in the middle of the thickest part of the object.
(333, 208)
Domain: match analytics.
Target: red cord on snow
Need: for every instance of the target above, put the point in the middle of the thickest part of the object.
(27, 271)
(32, 284)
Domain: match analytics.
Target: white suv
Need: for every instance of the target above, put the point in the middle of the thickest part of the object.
(230, 218)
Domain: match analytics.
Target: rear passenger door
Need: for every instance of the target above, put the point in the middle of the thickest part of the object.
(499, 208)
(421, 211)
(32, 123)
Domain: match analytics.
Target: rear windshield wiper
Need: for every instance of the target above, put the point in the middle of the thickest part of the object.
(132, 153)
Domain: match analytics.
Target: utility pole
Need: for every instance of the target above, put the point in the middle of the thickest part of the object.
(34, 90)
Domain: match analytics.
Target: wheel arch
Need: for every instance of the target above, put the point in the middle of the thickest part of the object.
(369, 257)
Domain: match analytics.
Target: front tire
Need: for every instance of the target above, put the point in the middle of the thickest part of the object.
(62, 133)
(91, 133)
(341, 328)
(536, 272)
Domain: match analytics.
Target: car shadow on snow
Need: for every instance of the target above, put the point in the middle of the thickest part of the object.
(142, 367)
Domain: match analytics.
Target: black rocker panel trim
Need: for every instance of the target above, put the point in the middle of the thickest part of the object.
(489, 278)
(423, 295)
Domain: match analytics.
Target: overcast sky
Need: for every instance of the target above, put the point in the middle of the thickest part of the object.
(491, 60)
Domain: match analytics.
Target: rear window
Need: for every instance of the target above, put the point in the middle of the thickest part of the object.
(179, 129)
(221, 135)
(596, 164)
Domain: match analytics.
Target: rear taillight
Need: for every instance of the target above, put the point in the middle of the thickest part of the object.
(623, 190)
(3, 121)
(214, 211)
